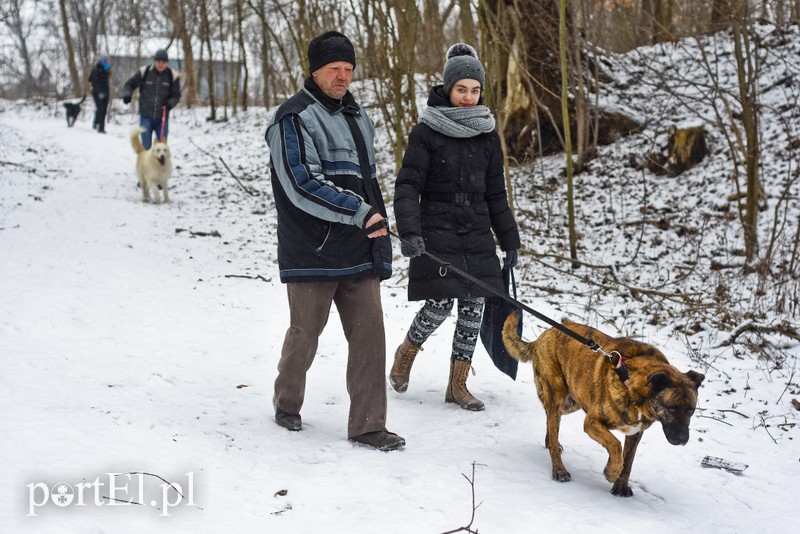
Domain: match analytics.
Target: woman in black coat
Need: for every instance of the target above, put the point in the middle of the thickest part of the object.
(450, 197)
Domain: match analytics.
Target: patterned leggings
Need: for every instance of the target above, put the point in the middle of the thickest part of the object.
(468, 324)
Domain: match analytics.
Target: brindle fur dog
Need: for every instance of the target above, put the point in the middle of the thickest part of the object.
(569, 375)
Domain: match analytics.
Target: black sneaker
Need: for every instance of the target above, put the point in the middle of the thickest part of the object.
(382, 440)
(287, 420)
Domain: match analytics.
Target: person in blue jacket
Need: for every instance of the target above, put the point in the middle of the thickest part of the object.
(98, 78)
(333, 243)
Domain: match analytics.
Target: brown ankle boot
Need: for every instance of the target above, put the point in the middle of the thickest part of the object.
(457, 391)
(403, 360)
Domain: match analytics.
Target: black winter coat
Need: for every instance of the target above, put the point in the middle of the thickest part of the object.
(156, 89)
(452, 192)
(99, 80)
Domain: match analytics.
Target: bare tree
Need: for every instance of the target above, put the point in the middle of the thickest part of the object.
(177, 14)
(205, 37)
(20, 27)
(240, 22)
(77, 85)
(392, 57)
(747, 73)
(88, 16)
(563, 45)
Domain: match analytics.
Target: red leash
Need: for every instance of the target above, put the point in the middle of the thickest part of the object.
(163, 123)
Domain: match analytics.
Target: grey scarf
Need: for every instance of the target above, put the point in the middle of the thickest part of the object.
(461, 122)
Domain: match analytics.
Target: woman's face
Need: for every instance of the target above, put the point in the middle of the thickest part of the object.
(465, 92)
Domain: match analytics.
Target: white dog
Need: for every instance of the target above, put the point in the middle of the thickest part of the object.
(153, 166)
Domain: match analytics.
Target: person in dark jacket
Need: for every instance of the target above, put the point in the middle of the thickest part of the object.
(98, 79)
(450, 197)
(159, 91)
(333, 243)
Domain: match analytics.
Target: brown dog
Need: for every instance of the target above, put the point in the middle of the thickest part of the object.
(569, 375)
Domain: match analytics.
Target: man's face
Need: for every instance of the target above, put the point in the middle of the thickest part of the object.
(334, 78)
(161, 65)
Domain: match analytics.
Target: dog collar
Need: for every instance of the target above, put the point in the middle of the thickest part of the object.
(619, 365)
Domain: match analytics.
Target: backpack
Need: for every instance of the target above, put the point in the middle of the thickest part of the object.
(146, 69)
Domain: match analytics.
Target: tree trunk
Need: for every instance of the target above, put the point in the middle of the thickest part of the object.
(430, 52)
(77, 85)
(720, 15)
(206, 38)
(468, 33)
(531, 99)
(266, 70)
(662, 21)
(562, 45)
(177, 13)
(242, 53)
(747, 75)
(224, 62)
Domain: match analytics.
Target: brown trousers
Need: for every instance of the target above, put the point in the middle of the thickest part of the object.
(359, 306)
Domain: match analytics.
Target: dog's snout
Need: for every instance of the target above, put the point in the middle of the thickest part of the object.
(679, 438)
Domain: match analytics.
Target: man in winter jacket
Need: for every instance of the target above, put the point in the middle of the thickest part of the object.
(98, 78)
(333, 244)
(159, 91)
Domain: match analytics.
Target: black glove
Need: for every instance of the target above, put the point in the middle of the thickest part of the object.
(412, 246)
(511, 259)
(126, 99)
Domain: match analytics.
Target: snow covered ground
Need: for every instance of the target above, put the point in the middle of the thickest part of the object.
(137, 338)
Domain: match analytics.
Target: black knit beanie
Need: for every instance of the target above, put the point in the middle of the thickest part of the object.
(462, 62)
(329, 47)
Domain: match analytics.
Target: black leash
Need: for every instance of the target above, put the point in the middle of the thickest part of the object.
(619, 365)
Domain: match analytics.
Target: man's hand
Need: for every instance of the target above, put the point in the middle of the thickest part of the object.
(376, 226)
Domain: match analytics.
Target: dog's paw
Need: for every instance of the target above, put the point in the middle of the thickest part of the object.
(612, 472)
(621, 489)
(561, 475)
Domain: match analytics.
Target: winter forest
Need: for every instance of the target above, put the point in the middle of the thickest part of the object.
(652, 154)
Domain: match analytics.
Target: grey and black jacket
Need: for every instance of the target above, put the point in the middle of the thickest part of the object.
(156, 89)
(323, 175)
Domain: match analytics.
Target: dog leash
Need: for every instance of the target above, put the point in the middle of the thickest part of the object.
(619, 365)
(163, 122)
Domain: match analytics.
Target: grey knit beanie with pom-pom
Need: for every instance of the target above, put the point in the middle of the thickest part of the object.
(462, 62)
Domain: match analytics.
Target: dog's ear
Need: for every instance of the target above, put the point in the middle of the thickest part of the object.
(695, 377)
(659, 382)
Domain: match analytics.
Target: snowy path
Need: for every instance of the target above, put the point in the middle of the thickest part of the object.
(123, 344)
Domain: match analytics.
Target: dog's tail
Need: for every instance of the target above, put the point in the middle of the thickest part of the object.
(517, 348)
(136, 140)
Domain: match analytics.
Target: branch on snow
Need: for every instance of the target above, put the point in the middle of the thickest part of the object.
(782, 328)
(468, 528)
(248, 190)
